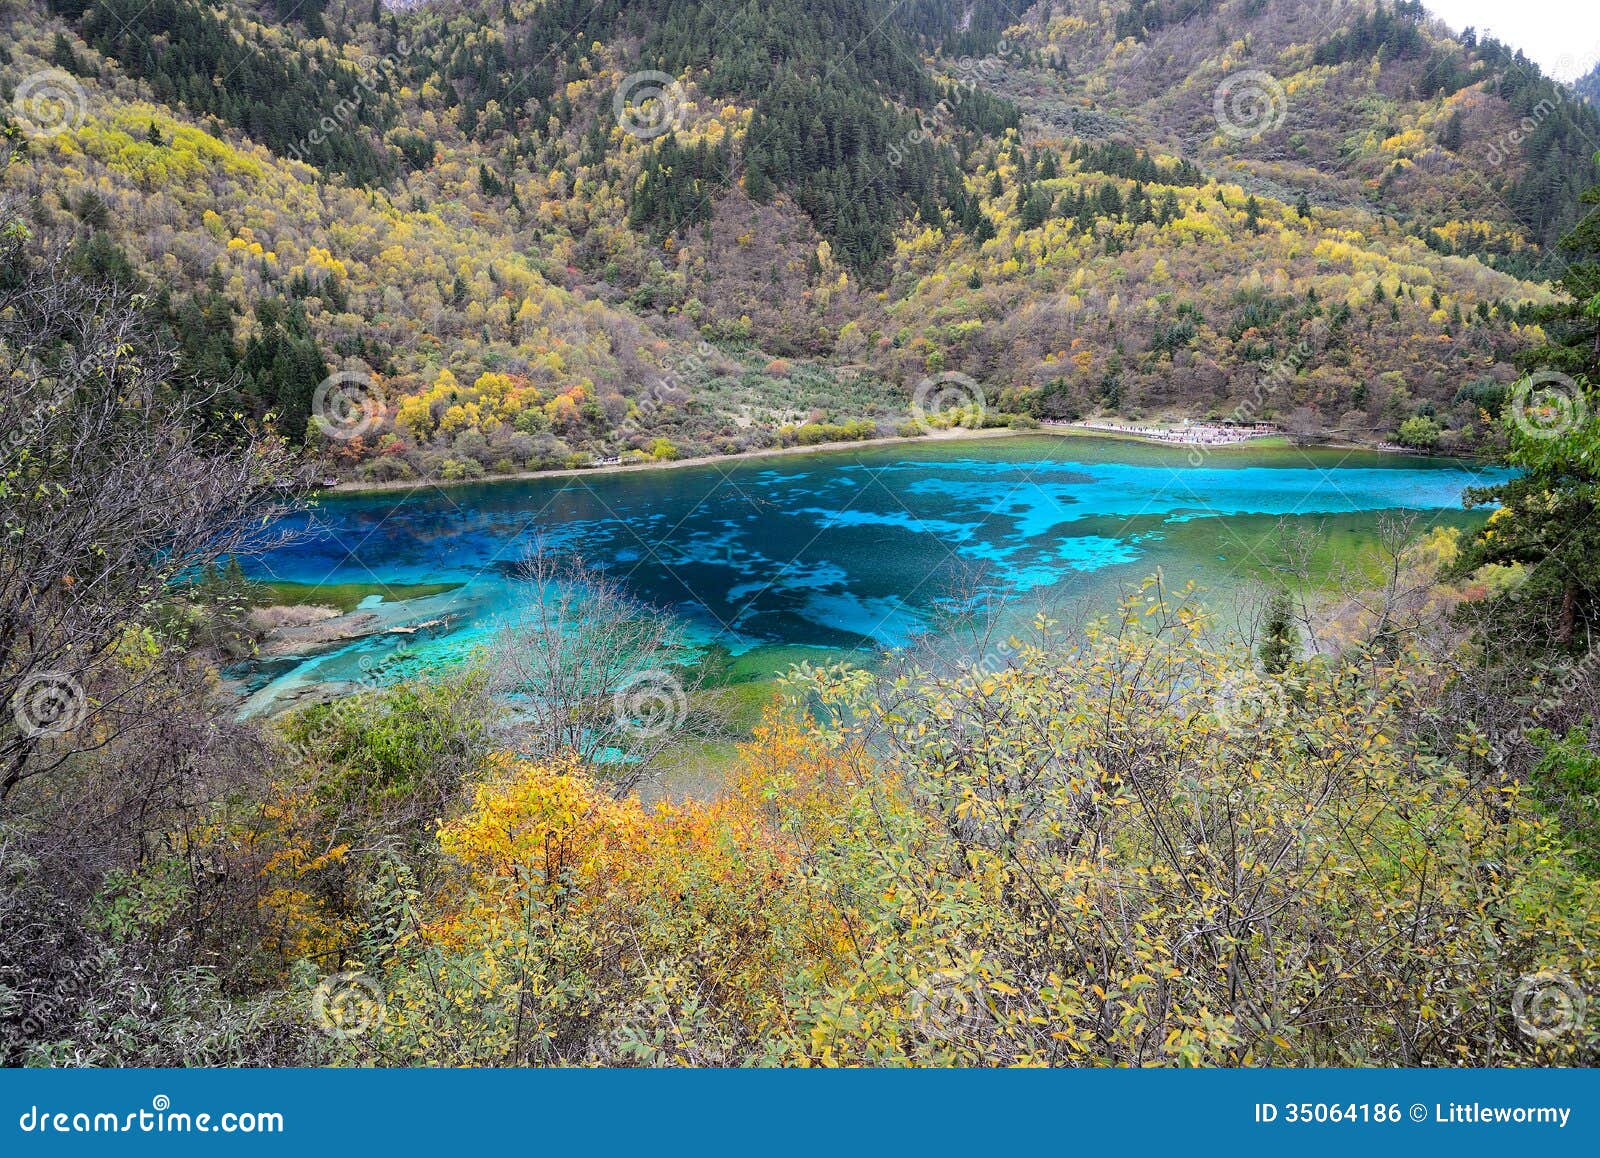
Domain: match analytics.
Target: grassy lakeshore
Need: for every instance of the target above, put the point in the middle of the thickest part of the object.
(344, 597)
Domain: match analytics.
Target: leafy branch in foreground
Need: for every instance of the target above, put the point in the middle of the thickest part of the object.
(1139, 851)
(110, 492)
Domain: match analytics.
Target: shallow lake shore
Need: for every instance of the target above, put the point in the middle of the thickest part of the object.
(955, 435)
(1058, 429)
(830, 546)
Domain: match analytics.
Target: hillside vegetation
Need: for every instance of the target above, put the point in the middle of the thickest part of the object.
(525, 235)
(1358, 827)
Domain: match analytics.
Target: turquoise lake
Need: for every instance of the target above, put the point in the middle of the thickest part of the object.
(841, 549)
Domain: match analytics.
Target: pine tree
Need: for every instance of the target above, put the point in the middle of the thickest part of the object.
(1280, 642)
(1549, 516)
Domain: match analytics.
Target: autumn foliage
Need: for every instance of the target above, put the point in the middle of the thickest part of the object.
(1135, 851)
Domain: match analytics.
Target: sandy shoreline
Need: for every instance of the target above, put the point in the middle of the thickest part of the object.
(1207, 442)
(1056, 429)
(956, 435)
(1280, 437)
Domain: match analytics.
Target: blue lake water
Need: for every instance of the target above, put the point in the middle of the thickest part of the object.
(839, 549)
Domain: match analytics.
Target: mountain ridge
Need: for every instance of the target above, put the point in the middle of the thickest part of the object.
(816, 231)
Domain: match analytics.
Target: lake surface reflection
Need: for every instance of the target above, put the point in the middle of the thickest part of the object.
(842, 549)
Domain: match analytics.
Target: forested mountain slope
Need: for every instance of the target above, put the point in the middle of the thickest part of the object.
(1376, 105)
(1587, 86)
(531, 234)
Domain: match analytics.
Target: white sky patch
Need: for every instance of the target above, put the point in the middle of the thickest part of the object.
(1562, 36)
